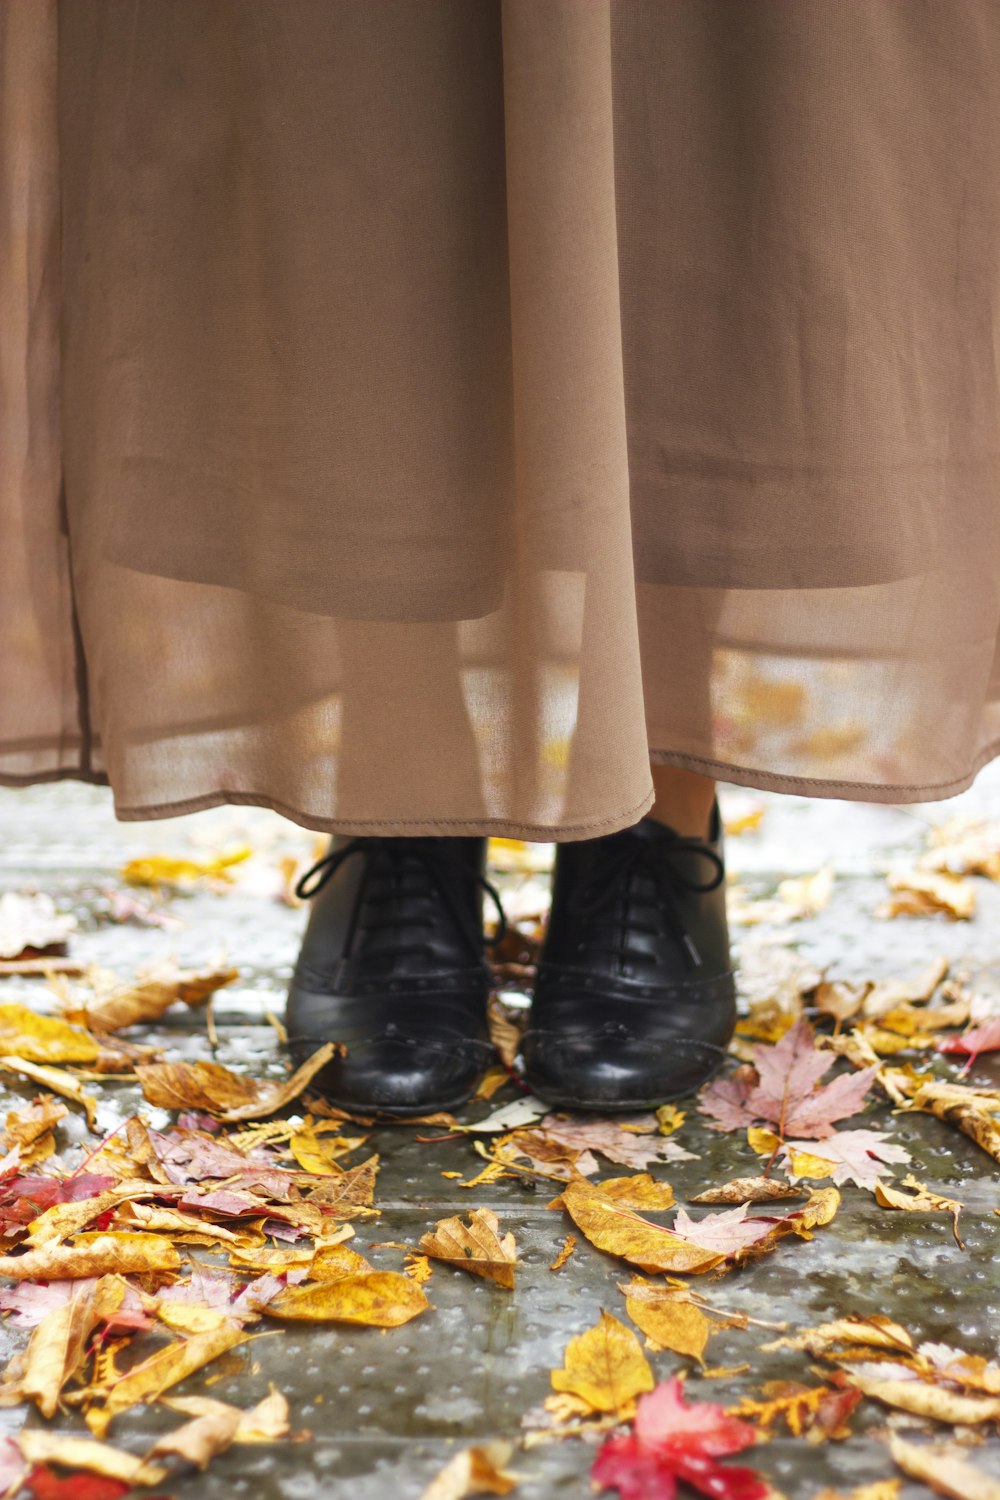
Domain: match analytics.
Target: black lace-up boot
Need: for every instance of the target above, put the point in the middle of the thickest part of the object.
(635, 998)
(392, 965)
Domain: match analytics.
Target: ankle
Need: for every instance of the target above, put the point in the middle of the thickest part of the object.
(684, 800)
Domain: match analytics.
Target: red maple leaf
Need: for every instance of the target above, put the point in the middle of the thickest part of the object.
(45, 1485)
(675, 1440)
(984, 1038)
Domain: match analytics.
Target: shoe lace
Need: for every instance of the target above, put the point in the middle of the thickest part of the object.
(611, 893)
(400, 858)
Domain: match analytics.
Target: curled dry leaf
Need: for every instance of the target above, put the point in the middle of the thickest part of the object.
(382, 1299)
(970, 1111)
(568, 1246)
(93, 1255)
(922, 1399)
(148, 995)
(475, 1247)
(919, 1200)
(84, 1453)
(263, 1423)
(219, 1091)
(605, 1368)
(475, 1471)
(944, 1468)
(926, 893)
(202, 1438)
(750, 1190)
(165, 1368)
(57, 1346)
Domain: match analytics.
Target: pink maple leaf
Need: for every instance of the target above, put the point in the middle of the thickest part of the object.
(724, 1232)
(672, 1440)
(984, 1038)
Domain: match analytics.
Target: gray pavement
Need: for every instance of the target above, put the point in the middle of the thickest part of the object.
(386, 1409)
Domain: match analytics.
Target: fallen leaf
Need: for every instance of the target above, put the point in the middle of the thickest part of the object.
(146, 1381)
(615, 1141)
(383, 1299)
(724, 1233)
(882, 1489)
(43, 1039)
(924, 893)
(157, 870)
(478, 1470)
(30, 925)
(568, 1246)
(920, 1200)
(944, 1468)
(506, 1026)
(620, 1231)
(857, 1156)
(148, 995)
(605, 1368)
(672, 1440)
(670, 1318)
(219, 1091)
(263, 1423)
(55, 1080)
(97, 1255)
(925, 1400)
(475, 1246)
(57, 1347)
(641, 1191)
(45, 1485)
(751, 1190)
(816, 1410)
(984, 1038)
(84, 1453)
(783, 1089)
(202, 1438)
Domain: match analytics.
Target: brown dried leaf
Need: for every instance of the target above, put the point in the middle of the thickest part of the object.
(263, 1423)
(751, 1190)
(149, 994)
(506, 1026)
(57, 1346)
(924, 893)
(926, 1400)
(475, 1247)
(27, 1125)
(382, 1299)
(605, 1368)
(218, 1091)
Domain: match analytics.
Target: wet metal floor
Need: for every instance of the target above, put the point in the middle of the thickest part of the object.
(386, 1409)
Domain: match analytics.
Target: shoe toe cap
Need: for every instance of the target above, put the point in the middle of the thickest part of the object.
(615, 1067)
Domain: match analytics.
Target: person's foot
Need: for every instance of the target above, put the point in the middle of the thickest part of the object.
(635, 998)
(392, 965)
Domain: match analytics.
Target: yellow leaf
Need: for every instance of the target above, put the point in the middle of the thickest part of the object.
(763, 1141)
(474, 1247)
(188, 1317)
(93, 1255)
(925, 1400)
(334, 1262)
(202, 1438)
(568, 1246)
(919, 1201)
(146, 1381)
(669, 1118)
(925, 893)
(605, 1367)
(619, 1231)
(43, 1039)
(640, 1191)
(33, 1122)
(796, 1409)
(314, 1154)
(418, 1268)
(218, 1091)
(474, 1471)
(669, 1318)
(163, 869)
(83, 1453)
(383, 1299)
(65, 1219)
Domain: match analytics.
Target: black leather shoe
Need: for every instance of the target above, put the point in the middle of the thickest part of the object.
(635, 998)
(392, 965)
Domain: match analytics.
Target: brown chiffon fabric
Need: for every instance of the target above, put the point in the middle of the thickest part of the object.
(418, 415)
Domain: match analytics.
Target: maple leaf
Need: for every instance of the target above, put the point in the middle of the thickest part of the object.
(725, 1233)
(627, 1147)
(787, 1092)
(675, 1440)
(984, 1038)
(45, 1485)
(856, 1156)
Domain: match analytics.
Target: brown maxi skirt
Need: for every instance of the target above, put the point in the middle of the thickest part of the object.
(419, 415)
